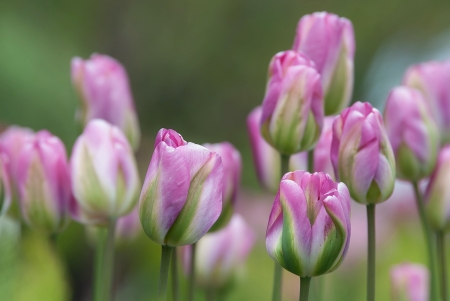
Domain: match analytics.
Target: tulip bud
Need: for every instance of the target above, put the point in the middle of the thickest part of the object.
(330, 42)
(182, 194)
(11, 142)
(128, 226)
(220, 256)
(43, 181)
(103, 88)
(5, 188)
(309, 225)
(231, 161)
(432, 78)
(413, 134)
(409, 282)
(292, 114)
(361, 154)
(105, 178)
(322, 159)
(437, 195)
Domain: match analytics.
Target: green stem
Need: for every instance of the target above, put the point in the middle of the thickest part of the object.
(371, 252)
(192, 274)
(429, 242)
(175, 285)
(98, 264)
(284, 164)
(304, 288)
(109, 259)
(311, 161)
(442, 264)
(164, 272)
(277, 280)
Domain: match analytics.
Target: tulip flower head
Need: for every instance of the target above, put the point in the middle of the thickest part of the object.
(231, 162)
(409, 282)
(5, 188)
(43, 182)
(292, 115)
(437, 195)
(432, 78)
(104, 90)
(105, 178)
(413, 133)
(330, 42)
(322, 159)
(128, 226)
(309, 227)
(221, 256)
(361, 154)
(182, 194)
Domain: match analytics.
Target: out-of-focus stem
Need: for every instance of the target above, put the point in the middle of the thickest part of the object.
(311, 161)
(371, 252)
(174, 268)
(166, 255)
(442, 264)
(429, 242)
(192, 275)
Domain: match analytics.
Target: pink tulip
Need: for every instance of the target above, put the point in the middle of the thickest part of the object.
(43, 182)
(361, 154)
(322, 158)
(409, 282)
(330, 42)
(104, 90)
(182, 194)
(128, 226)
(232, 165)
(292, 115)
(220, 256)
(432, 78)
(5, 186)
(309, 226)
(105, 178)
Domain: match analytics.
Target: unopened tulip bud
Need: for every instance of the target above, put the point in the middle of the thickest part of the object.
(128, 226)
(104, 90)
(413, 133)
(221, 256)
(105, 178)
(361, 154)
(292, 114)
(5, 187)
(43, 181)
(231, 161)
(322, 158)
(309, 227)
(330, 42)
(437, 195)
(409, 282)
(182, 194)
(432, 78)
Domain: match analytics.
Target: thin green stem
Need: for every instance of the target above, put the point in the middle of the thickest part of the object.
(442, 264)
(174, 268)
(99, 264)
(371, 252)
(166, 255)
(429, 242)
(109, 259)
(304, 288)
(192, 274)
(277, 280)
(284, 164)
(311, 161)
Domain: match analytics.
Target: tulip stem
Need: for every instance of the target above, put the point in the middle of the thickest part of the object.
(166, 255)
(192, 274)
(371, 252)
(284, 164)
(277, 279)
(442, 264)
(311, 161)
(429, 242)
(175, 285)
(304, 288)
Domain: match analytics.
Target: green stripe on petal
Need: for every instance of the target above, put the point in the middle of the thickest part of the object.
(148, 213)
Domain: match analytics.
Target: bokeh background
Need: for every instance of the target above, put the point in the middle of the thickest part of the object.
(199, 67)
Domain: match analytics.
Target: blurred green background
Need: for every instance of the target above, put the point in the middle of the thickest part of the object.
(199, 67)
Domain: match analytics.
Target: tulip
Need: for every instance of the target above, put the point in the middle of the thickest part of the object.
(128, 226)
(413, 134)
(432, 78)
(292, 115)
(221, 256)
(409, 282)
(232, 165)
(182, 194)
(104, 90)
(322, 159)
(11, 142)
(330, 42)
(5, 188)
(105, 178)
(309, 225)
(361, 154)
(43, 182)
